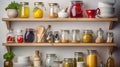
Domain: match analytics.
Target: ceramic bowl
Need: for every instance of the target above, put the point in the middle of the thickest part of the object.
(63, 15)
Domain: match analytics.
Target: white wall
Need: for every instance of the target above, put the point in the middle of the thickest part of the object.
(60, 51)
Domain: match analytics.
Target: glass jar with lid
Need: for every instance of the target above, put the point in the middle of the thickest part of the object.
(78, 57)
(50, 60)
(87, 36)
(19, 36)
(53, 12)
(68, 62)
(24, 10)
(75, 36)
(39, 10)
(76, 10)
(65, 36)
(110, 37)
(10, 36)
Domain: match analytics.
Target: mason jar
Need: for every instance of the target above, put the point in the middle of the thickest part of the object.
(65, 36)
(75, 36)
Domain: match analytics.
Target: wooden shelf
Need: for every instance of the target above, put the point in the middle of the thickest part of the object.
(9, 20)
(60, 44)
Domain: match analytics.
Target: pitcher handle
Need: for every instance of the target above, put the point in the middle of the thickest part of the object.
(98, 11)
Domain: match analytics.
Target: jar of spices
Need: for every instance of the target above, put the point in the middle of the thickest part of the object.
(29, 35)
(87, 36)
(68, 62)
(65, 36)
(19, 36)
(78, 57)
(38, 11)
(110, 37)
(24, 10)
(54, 7)
(56, 37)
(50, 60)
(75, 36)
(10, 36)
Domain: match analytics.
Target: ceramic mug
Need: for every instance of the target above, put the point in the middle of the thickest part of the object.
(91, 13)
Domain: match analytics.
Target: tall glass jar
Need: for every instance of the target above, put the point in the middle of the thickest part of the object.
(91, 58)
(78, 57)
(87, 36)
(24, 10)
(65, 36)
(68, 62)
(19, 36)
(50, 60)
(75, 36)
(10, 38)
(29, 35)
(39, 9)
(76, 10)
(53, 12)
(110, 37)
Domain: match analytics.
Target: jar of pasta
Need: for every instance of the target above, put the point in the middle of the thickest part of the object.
(24, 10)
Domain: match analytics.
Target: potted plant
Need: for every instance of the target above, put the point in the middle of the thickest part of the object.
(12, 9)
(8, 59)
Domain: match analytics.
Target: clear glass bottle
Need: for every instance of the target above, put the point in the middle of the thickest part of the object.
(39, 10)
(65, 36)
(50, 60)
(10, 38)
(24, 10)
(110, 37)
(53, 12)
(29, 35)
(75, 36)
(76, 10)
(87, 36)
(91, 58)
(19, 36)
(68, 62)
(78, 57)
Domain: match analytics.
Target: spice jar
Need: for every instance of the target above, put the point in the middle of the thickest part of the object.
(78, 57)
(29, 35)
(76, 10)
(91, 58)
(68, 62)
(75, 36)
(24, 10)
(54, 7)
(87, 36)
(110, 37)
(50, 37)
(56, 37)
(10, 36)
(100, 37)
(19, 36)
(38, 11)
(65, 36)
(50, 58)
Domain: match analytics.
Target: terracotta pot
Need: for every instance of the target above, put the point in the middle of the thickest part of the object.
(12, 13)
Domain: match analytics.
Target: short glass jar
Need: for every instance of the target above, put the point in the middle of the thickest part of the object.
(65, 36)
(24, 10)
(68, 62)
(10, 38)
(75, 36)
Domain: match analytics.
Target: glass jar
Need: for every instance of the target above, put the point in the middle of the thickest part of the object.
(87, 36)
(76, 10)
(10, 36)
(64, 36)
(29, 35)
(54, 7)
(75, 36)
(110, 37)
(8, 63)
(24, 10)
(56, 37)
(91, 58)
(68, 62)
(78, 57)
(38, 11)
(19, 36)
(50, 37)
(50, 59)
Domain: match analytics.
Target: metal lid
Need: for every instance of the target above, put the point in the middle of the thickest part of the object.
(24, 3)
(38, 3)
(52, 4)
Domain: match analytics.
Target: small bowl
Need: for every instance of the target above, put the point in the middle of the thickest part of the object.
(63, 15)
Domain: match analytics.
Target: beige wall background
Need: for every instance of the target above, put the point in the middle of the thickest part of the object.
(61, 52)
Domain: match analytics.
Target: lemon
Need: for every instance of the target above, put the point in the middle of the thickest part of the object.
(38, 13)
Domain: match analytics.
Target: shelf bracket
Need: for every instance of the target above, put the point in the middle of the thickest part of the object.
(111, 25)
(8, 23)
(110, 49)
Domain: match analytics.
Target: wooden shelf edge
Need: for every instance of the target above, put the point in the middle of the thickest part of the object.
(61, 44)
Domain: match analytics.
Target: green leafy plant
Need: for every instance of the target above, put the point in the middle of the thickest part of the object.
(13, 5)
(9, 55)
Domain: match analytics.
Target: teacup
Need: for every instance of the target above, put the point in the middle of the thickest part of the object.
(91, 13)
